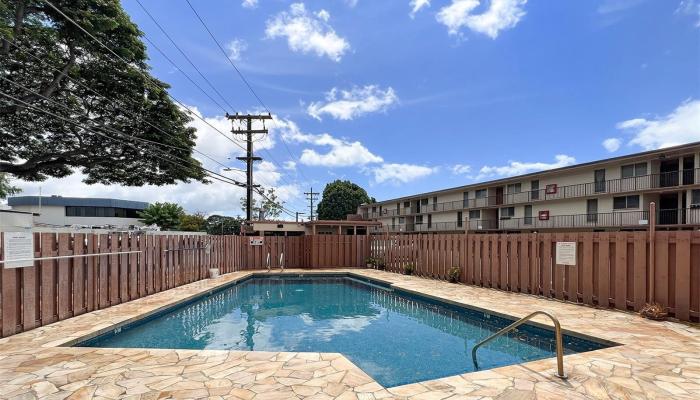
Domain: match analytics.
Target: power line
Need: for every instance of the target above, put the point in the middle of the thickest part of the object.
(184, 54)
(142, 73)
(243, 78)
(311, 196)
(215, 175)
(227, 57)
(111, 103)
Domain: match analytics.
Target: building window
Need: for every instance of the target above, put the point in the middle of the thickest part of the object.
(459, 219)
(480, 194)
(632, 170)
(535, 190)
(695, 197)
(474, 214)
(625, 202)
(507, 212)
(528, 215)
(419, 219)
(424, 202)
(430, 220)
(406, 204)
(513, 188)
(402, 220)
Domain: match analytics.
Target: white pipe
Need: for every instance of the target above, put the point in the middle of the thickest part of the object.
(73, 256)
(282, 260)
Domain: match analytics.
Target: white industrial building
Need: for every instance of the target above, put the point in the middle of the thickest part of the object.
(58, 211)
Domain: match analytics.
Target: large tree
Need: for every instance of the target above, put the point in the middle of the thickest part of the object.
(267, 207)
(341, 198)
(222, 225)
(41, 50)
(6, 189)
(166, 216)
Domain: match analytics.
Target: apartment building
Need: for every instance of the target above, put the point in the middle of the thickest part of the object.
(611, 194)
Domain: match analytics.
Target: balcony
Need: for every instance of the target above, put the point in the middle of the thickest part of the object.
(612, 186)
(622, 219)
(439, 227)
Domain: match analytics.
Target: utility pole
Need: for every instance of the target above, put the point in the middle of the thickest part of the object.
(249, 158)
(298, 214)
(311, 196)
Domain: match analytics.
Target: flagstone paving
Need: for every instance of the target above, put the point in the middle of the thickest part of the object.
(655, 359)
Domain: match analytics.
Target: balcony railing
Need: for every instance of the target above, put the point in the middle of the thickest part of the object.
(683, 216)
(439, 227)
(611, 186)
(622, 219)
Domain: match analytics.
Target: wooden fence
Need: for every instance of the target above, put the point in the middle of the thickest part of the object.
(55, 289)
(612, 270)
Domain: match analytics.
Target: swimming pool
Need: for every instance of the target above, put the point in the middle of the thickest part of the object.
(395, 337)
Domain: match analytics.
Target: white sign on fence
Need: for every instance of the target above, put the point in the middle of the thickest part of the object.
(18, 246)
(566, 253)
(256, 241)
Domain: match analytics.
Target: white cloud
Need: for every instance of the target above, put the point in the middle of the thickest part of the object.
(236, 47)
(613, 6)
(612, 144)
(680, 126)
(417, 5)
(290, 165)
(307, 32)
(692, 8)
(500, 15)
(249, 3)
(348, 104)
(519, 168)
(401, 173)
(342, 153)
(461, 169)
(216, 197)
(351, 3)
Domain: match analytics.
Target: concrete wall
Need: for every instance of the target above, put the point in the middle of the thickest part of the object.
(56, 215)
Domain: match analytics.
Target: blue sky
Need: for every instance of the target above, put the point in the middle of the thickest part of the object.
(400, 103)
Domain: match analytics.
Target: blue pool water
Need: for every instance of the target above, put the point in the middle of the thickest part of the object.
(394, 337)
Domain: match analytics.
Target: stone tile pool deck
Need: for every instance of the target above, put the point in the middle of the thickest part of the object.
(655, 359)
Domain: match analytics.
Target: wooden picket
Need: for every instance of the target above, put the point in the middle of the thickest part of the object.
(612, 269)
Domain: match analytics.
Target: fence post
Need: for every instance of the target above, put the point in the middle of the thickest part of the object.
(652, 249)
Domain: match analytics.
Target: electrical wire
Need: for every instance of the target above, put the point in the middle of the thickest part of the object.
(183, 54)
(92, 130)
(88, 88)
(142, 73)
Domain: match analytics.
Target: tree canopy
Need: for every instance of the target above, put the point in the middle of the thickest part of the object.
(166, 216)
(6, 189)
(341, 198)
(193, 222)
(222, 225)
(47, 54)
(268, 207)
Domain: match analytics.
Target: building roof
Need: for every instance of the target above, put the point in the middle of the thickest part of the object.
(659, 152)
(343, 222)
(75, 202)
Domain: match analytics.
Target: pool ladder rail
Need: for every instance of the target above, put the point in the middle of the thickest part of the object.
(269, 265)
(557, 335)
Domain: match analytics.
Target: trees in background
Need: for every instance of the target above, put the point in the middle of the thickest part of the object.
(222, 225)
(164, 215)
(193, 222)
(341, 198)
(269, 207)
(6, 189)
(41, 50)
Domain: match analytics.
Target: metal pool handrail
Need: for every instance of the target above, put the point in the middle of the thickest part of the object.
(282, 260)
(269, 265)
(557, 334)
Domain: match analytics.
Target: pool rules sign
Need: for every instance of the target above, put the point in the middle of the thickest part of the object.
(566, 253)
(18, 246)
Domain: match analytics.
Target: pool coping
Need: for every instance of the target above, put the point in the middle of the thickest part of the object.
(412, 285)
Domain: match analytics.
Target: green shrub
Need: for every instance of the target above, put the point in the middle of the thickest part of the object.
(408, 269)
(453, 274)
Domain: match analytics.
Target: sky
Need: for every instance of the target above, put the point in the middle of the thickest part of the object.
(409, 96)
